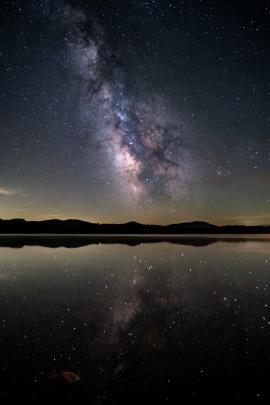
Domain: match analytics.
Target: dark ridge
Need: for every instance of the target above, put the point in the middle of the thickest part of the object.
(73, 226)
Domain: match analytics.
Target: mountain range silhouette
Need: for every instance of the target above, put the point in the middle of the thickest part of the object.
(78, 227)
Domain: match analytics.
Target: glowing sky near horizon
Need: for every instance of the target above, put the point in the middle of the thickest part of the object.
(152, 111)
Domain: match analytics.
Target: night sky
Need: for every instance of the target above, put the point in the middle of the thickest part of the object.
(156, 111)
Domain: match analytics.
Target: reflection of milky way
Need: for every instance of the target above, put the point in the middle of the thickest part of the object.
(146, 149)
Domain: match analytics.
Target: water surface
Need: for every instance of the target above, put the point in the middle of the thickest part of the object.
(159, 321)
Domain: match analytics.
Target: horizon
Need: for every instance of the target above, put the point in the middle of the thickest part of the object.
(135, 222)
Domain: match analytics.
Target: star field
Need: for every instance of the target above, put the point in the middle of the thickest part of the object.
(154, 111)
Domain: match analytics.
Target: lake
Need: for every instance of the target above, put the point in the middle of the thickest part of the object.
(135, 319)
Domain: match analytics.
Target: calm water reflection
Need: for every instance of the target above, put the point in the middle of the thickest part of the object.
(161, 321)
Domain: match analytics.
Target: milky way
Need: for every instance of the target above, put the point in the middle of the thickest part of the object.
(148, 147)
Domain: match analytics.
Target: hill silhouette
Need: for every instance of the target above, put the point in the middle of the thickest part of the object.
(78, 227)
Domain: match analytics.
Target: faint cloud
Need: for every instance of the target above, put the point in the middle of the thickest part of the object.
(6, 191)
(260, 219)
